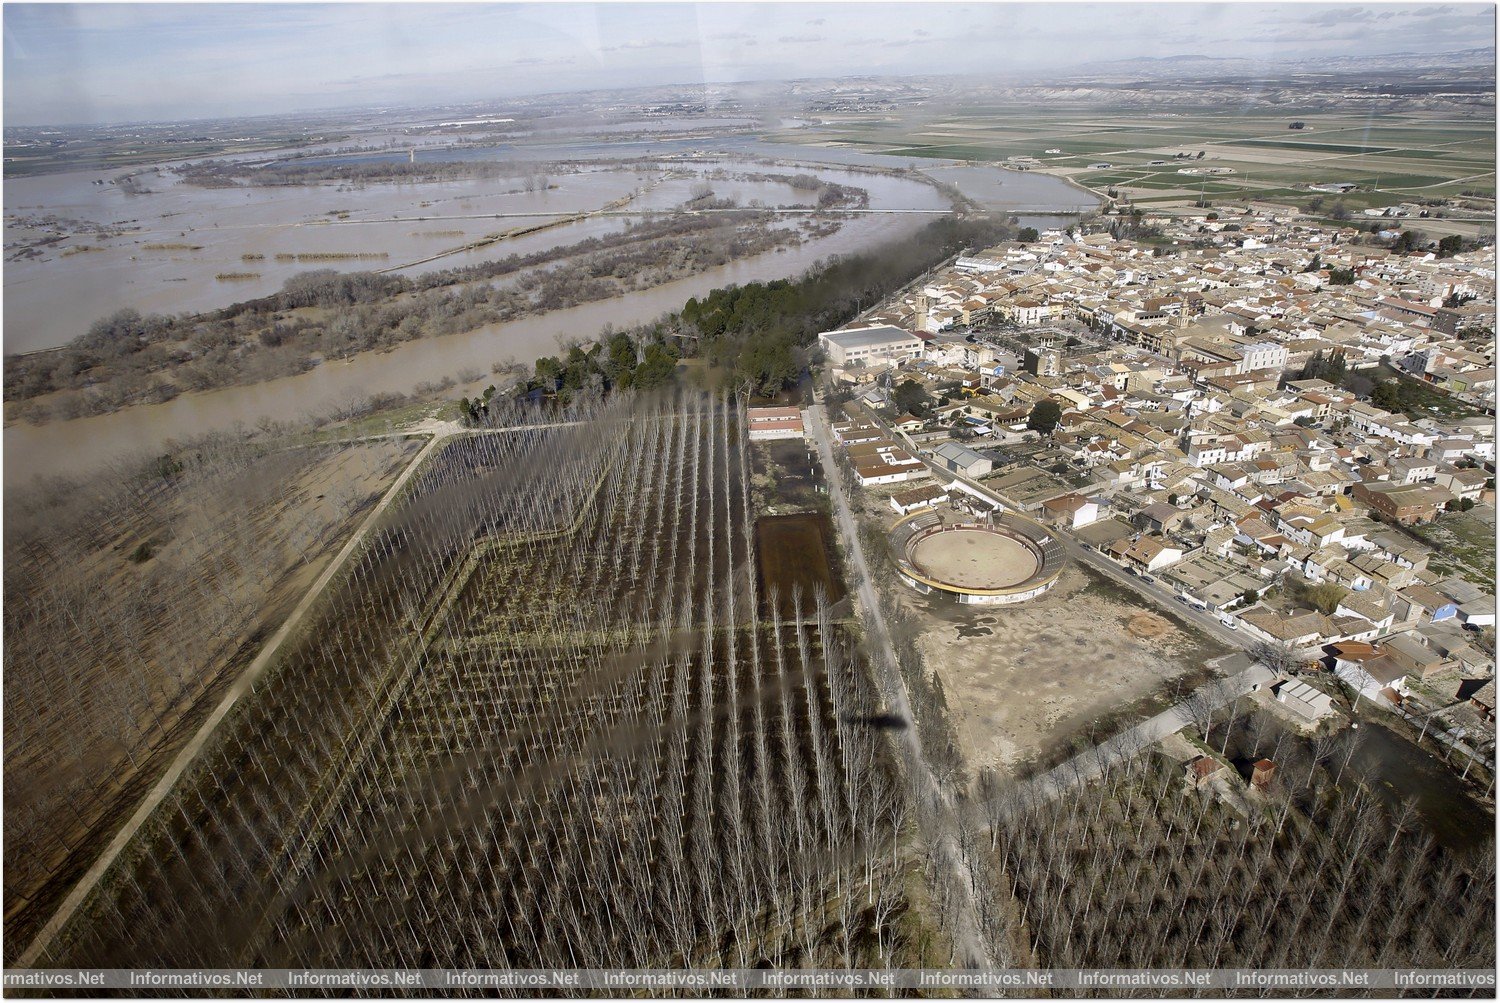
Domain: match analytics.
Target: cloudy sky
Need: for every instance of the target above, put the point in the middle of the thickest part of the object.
(77, 63)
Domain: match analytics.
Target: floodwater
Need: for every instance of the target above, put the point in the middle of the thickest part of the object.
(183, 248)
(51, 301)
(77, 445)
(997, 188)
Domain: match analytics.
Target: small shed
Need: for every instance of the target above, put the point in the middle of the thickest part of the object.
(1201, 769)
(1262, 774)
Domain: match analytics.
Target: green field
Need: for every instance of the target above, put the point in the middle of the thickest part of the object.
(1317, 147)
(1392, 157)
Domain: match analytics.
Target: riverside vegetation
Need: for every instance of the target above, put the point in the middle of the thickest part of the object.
(762, 334)
(128, 358)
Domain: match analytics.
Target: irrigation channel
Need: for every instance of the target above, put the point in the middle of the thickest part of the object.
(548, 717)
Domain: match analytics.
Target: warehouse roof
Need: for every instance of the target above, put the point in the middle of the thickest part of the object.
(960, 455)
(868, 337)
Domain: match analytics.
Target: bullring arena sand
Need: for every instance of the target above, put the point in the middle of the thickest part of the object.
(974, 559)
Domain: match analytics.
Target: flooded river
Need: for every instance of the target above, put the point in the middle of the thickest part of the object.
(73, 446)
(199, 233)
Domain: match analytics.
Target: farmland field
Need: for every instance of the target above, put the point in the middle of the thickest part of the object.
(1398, 155)
(544, 721)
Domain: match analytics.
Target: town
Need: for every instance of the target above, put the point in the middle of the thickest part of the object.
(826, 500)
(1282, 428)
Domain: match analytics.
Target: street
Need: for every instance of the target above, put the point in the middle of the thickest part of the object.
(938, 823)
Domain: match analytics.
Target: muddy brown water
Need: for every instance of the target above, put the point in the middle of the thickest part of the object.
(72, 447)
(164, 251)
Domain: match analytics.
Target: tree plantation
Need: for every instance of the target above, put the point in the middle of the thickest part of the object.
(1142, 869)
(549, 717)
(554, 712)
(132, 599)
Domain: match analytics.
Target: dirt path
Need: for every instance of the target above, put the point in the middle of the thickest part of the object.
(243, 685)
(938, 814)
(1091, 763)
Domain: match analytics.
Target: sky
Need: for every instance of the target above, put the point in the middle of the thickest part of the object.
(77, 63)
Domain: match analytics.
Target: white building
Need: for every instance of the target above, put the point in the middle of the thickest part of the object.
(1310, 703)
(868, 346)
(1261, 355)
(774, 423)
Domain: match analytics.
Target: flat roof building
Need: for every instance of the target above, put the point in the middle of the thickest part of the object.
(870, 345)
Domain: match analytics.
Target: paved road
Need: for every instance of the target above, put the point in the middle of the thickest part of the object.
(1209, 623)
(968, 940)
(244, 684)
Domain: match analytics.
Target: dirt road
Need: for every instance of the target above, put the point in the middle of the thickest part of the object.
(938, 815)
(1207, 698)
(243, 685)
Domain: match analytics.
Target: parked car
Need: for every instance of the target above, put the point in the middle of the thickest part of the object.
(1146, 578)
(1230, 622)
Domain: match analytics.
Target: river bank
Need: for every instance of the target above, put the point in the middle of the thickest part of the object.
(898, 206)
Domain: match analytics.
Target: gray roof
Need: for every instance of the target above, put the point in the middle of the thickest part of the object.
(961, 455)
(868, 337)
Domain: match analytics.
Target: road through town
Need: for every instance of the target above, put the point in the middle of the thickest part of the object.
(937, 814)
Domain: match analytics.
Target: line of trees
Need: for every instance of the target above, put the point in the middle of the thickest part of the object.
(762, 334)
(1141, 870)
(131, 597)
(230, 174)
(549, 719)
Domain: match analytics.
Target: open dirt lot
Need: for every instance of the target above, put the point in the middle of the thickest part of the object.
(1022, 681)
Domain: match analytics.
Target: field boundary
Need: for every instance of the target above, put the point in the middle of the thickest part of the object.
(243, 685)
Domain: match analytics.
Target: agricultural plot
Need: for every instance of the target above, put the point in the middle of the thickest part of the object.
(1404, 155)
(549, 718)
(1320, 867)
(134, 599)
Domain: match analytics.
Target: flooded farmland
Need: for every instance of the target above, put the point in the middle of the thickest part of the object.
(164, 252)
(72, 446)
(189, 249)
